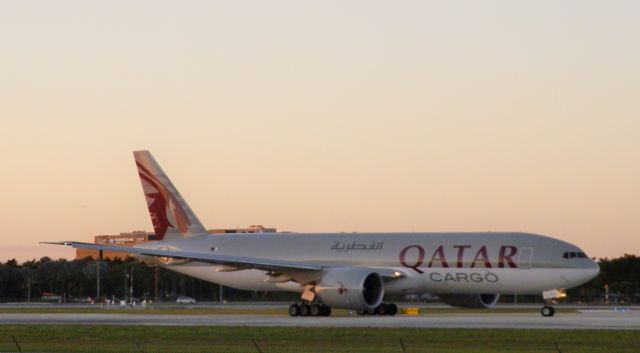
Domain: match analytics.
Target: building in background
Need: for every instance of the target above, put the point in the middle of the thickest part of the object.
(141, 236)
(251, 229)
(122, 239)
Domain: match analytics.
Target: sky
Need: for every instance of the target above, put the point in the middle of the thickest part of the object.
(322, 116)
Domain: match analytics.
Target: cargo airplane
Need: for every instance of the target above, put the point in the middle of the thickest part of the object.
(353, 270)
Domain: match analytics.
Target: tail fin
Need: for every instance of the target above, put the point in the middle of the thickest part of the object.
(170, 214)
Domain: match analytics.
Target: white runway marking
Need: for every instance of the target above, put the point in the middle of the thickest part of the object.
(628, 320)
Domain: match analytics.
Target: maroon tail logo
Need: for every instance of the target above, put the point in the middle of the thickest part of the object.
(162, 201)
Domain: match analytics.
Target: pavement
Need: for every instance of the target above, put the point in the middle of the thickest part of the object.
(285, 305)
(584, 319)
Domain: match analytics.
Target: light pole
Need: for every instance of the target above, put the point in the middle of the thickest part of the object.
(27, 273)
(98, 274)
(126, 276)
(155, 286)
(131, 287)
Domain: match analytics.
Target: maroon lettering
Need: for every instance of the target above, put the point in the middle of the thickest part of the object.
(481, 255)
(440, 257)
(419, 260)
(461, 252)
(506, 252)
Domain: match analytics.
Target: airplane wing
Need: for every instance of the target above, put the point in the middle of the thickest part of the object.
(219, 259)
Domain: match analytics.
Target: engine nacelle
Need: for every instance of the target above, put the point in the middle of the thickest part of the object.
(477, 301)
(351, 288)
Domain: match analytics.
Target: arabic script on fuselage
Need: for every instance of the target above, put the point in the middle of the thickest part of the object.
(352, 246)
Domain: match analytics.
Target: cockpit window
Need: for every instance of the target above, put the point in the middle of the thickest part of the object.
(573, 255)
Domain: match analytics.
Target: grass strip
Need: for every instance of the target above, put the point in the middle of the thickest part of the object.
(84, 338)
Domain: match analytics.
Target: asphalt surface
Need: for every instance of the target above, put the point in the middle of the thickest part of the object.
(587, 319)
(285, 305)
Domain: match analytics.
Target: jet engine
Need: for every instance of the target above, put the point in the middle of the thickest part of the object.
(477, 301)
(351, 288)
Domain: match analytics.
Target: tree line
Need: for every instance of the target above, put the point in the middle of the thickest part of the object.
(74, 280)
(622, 277)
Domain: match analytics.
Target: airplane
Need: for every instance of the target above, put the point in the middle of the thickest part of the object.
(353, 270)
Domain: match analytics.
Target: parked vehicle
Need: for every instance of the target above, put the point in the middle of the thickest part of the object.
(185, 300)
(50, 297)
(101, 300)
(85, 300)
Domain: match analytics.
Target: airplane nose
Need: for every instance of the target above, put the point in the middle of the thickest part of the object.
(592, 271)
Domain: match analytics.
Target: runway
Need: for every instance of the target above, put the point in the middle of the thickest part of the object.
(587, 319)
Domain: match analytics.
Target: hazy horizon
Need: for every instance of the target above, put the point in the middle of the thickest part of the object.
(329, 116)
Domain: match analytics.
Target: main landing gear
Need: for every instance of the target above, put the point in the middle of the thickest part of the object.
(383, 309)
(547, 311)
(317, 309)
(309, 309)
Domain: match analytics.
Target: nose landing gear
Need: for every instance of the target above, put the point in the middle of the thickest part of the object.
(550, 297)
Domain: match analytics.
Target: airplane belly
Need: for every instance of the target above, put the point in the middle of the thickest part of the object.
(441, 280)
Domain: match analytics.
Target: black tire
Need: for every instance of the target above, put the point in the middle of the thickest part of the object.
(392, 309)
(382, 309)
(315, 310)
(362, 312)
(547, 311)
(305, 310)
(294, 310)
(325, 310)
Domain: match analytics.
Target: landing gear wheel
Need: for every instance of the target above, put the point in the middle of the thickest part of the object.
(392, 309)
(315, 310)
(325, 310)
(547, 311)
(362, 312)
(305, 310)
(382, 309)
(294, 310)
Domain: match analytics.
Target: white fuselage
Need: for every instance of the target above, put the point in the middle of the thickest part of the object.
(487, 263)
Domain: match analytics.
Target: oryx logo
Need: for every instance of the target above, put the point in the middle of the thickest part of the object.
(342, 290)
(162, 204)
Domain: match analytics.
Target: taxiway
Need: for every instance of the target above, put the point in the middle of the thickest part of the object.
(587, 319)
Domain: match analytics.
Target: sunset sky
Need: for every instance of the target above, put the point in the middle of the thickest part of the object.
(321, 116)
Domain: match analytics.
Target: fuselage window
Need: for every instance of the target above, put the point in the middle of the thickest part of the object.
(565, 255)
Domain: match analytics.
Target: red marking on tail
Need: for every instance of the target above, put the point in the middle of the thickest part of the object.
(162, 201)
